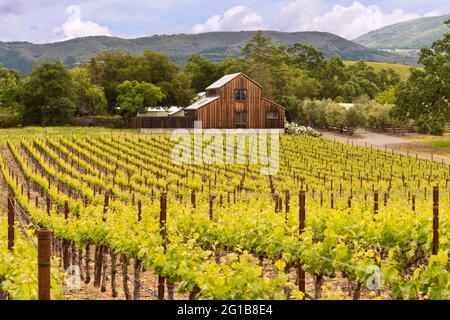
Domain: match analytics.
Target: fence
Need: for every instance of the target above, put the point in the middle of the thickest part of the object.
(43, 245)
(165, 122)
(107, 122)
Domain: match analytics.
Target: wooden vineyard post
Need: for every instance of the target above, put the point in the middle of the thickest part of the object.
(10, 223)
(375, 202)
(193, 201)
(211, 207)
(105, 206)
(280, 204)
(44, 237)
(413, 201)
(101, 250)
(435, 220)
(321, 198)
(287, 200)
(332, 200)
(139, 210)
(302, 217)
(162, 228)
(48, 205)
(66, 261)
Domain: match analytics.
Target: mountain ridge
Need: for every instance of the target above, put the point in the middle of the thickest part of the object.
(215, 46)
(408, 35)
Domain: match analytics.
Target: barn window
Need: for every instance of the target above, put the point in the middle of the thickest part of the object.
(272, 115)
(240, 94)
(240, 119)
(212, 93)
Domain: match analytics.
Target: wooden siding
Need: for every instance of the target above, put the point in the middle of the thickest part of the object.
(269, 106)
(220, 113)
(165, 122)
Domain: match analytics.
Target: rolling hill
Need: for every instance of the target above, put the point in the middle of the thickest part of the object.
(402, 70)
(215, 46)
(409, 35)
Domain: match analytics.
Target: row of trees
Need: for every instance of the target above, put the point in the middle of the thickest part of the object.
(122, 83)
(327, 114)
(52, 94)
(110, 83)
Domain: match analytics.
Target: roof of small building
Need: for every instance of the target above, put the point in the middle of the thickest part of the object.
(347, 105)
(201, 103)
(169, 110)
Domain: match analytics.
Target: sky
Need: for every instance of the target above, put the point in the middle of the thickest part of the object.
(43, 21)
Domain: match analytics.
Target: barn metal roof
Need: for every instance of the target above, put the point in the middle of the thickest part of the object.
(201, 103)
(223, 81)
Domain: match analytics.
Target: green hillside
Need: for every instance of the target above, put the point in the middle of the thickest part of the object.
(413, 34)
(215, 46)
(402, 70)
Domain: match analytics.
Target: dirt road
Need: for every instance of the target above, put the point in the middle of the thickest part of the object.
(382, 141)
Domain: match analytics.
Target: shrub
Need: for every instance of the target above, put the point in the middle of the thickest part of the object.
(294, 129)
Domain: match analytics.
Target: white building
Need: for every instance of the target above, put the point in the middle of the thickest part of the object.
(173, 111)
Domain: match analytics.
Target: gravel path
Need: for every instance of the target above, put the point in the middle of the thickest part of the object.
(371, 138)
(382, 141)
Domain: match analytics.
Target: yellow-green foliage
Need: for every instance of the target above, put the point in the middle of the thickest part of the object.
(402, 70)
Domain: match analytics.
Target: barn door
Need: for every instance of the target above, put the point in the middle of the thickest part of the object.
(272, 119)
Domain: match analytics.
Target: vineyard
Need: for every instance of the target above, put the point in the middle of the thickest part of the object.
(336, 221)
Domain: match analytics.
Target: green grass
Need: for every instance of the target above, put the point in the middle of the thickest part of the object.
(17, 133)
(402, 70)
(439, 142)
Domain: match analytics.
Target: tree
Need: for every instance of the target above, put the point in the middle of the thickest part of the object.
(353, 119)
(10, 108)
(111, 69)
(48, 95)
(306, 57)
(378, 116)
(203, 72)
(315, 113)
(292, 85)
(387, 96)
(425, 96)
(90, 99)
(134, 97)
(332, 76)
(335, 116)
(387, 78)
(177, 92)
(261, 50)
(362, 81)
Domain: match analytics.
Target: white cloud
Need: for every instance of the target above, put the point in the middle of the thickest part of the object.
(237, 18)
(297, 14)
(348, 22)
(432, 14)
(13, 23)
(75, 27)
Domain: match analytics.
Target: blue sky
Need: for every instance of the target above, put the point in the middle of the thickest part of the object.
(55, 20)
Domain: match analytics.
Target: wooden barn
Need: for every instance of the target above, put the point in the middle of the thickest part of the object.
(236, 101)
